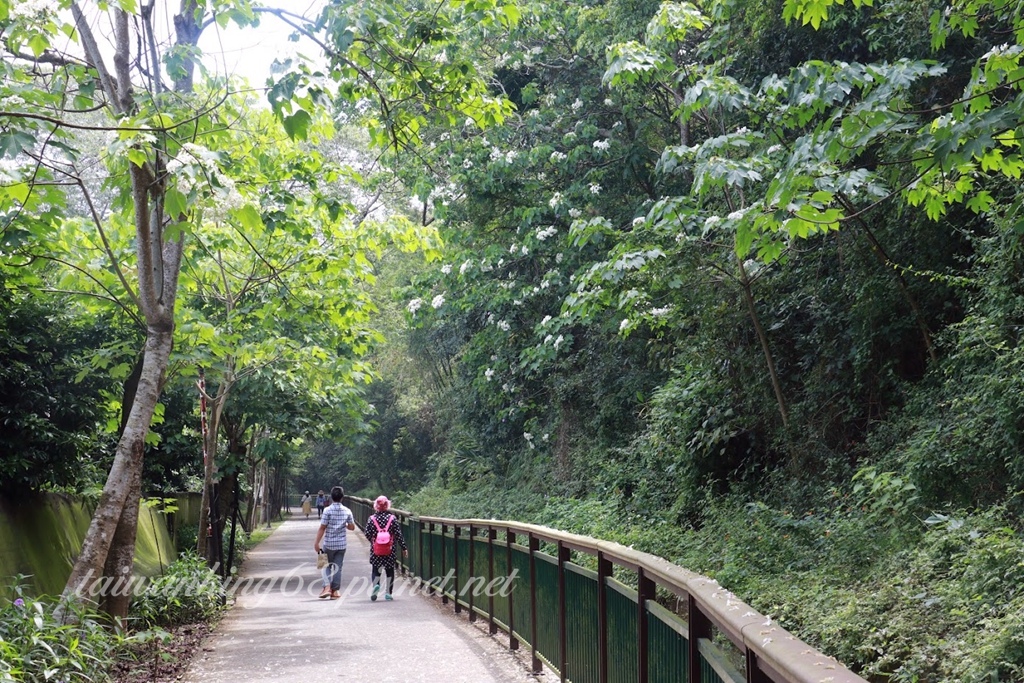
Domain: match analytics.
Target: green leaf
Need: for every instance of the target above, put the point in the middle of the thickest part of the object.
(981, 202)
(137, 156)
(297, 124)
(13, 142)
(249, 218)
(19, 192)
(175, 204)
(39, 43)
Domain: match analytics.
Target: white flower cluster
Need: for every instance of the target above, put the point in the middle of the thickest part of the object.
(464, 267)
(575, 213)
(558, 341)
(438, 301)
(601, 145)
(624, 324)
(504, 326)
(488, 373)
(31, 9)
(558, 156)
(595, 188)
(638, 221)
(577, 104)
(446, 268)
(415, 305)
(466, 163)
(657, 312)
(555, 200)
(545, 321)
(228, 199)
(547, 232)
(11, 102)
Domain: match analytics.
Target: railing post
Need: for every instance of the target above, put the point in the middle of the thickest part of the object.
(444, 563)
(754, 674)
(604, 571)
(455, 566)
(471, 574)
(534, 547)
(430, 540)
(563, 640)
(644, 591)
(699, 627)
(492, 538)
(513, 642)
(401, 559)
(419, 550)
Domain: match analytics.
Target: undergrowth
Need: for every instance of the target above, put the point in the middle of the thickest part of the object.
(894, 591)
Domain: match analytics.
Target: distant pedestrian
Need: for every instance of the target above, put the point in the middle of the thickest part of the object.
(385, 535)
(321, 502)
(306, 509)
(333, 525)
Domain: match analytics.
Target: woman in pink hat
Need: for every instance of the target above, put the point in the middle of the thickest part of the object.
(385, 535)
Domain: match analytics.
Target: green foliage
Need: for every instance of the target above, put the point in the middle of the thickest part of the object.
(51, 406)
(36, 645)
(186, 593)
(886, 499)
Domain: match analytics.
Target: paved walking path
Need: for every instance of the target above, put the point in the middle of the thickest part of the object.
(279, 630)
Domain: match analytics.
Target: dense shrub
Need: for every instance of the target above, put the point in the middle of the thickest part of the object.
(37, 646)
(188, 592)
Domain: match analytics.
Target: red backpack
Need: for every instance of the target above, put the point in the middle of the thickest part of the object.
(382, 542)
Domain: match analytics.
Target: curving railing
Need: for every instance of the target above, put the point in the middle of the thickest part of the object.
(599, 612)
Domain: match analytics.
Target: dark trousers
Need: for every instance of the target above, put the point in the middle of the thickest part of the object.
(390, 571)
(335, 558)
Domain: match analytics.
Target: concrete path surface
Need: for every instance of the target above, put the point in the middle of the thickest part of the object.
(279, 630)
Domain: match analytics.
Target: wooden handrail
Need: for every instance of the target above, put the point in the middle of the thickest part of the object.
(770, 650)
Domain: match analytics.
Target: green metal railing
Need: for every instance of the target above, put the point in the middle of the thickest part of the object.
(569, 607)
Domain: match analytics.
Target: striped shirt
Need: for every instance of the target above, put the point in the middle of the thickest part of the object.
(336, 519)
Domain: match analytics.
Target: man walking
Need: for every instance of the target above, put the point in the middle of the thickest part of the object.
(335, 523)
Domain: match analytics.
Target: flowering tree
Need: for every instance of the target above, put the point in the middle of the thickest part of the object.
(165, 161)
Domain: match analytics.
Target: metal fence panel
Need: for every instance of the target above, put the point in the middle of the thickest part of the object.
(668, 656)
(622, 612)
(547, 608)
(584, 648)
(521, 593)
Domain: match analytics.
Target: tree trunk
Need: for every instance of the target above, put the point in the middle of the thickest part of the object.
(206, 509)
(769, 358)
(124, 473)
(121, 557)
(158, 269)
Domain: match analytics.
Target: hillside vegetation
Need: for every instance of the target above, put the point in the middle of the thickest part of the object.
(739, 283)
